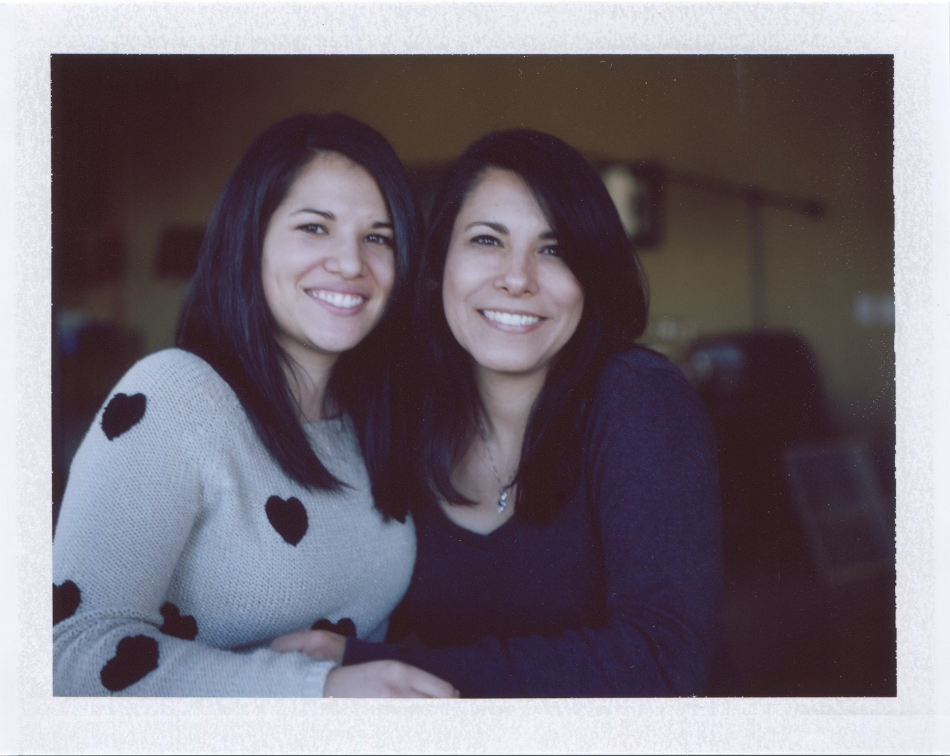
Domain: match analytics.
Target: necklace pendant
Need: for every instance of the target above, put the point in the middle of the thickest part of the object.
(503, 501)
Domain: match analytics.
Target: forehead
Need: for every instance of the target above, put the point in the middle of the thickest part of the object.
(502, 193)
(330, 174)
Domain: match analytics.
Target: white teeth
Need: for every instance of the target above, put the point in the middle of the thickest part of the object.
(338, 299)
(510, 318)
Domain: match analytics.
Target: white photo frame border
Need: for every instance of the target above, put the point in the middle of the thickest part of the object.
(917, 37)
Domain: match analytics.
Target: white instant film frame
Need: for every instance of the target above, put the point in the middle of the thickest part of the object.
(917, 720)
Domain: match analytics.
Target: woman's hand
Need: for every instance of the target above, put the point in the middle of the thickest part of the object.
(378, 679)
(321, 645)
(385, 679)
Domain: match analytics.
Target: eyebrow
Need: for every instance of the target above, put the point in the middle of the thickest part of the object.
(501, 229)
(330, 216)
(491, 224)
(323, 213)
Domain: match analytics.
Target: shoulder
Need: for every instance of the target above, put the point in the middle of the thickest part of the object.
(649, 437)
(174, 371)
(640, 387)
(643, 358)
(171, 365)
(173, 383)
(642, 370)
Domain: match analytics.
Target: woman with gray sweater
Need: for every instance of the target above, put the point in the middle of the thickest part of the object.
(238, 487)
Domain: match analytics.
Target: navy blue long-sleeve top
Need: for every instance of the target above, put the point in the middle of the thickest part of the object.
(619, 595)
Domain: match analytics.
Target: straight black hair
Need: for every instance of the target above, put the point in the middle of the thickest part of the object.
(225, 319)
(598, 252)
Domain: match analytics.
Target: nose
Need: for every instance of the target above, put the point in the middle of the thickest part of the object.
(345, 259)
(518, 275)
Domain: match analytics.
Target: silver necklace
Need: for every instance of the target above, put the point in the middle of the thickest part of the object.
(505, 490)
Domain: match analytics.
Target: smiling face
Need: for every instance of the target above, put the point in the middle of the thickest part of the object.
(509, 298)
(327, 262)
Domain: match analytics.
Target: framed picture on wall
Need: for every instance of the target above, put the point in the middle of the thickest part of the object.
(844, 511)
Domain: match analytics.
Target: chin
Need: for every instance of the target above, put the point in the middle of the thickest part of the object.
(337, 343)
(514, 364)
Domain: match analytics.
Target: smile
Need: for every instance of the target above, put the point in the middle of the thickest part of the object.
(518, 320)
(337, 299)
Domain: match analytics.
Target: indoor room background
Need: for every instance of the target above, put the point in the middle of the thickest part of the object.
(757, 189)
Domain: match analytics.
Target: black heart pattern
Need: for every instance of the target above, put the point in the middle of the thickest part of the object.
(184, 627)
(289, 518)
(66, 598)
(135, 657)
(345, 626)
(121, 413)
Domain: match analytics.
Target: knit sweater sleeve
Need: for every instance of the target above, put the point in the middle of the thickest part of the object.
(650, 473)
(133, 500)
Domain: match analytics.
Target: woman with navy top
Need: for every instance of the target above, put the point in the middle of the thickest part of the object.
(567, 504)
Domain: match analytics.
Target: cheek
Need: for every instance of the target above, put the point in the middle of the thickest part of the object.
(454, 307)
(578, 313)
(451, 291)
(577, 303)
(280, 260)
(449, 303)
(570, 298)
(384, 271)
(269, 280)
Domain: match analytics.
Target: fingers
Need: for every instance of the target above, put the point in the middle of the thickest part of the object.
(386, 679)
(292, 642)
(381, 678)
(285, 643)
(426, 685)
(320, 645)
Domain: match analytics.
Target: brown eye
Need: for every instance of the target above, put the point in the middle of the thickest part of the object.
(380, 239)
(487, 240)
(313, 228)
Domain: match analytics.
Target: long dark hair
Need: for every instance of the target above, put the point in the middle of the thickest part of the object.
(225, 319)
(598, 252)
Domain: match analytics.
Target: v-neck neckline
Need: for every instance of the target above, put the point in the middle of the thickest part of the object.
(471, 535)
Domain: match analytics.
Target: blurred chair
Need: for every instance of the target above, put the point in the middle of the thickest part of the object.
(807, 609)
(843, 506)
(763, 392)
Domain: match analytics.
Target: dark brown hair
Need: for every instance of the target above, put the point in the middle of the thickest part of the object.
(598, 252)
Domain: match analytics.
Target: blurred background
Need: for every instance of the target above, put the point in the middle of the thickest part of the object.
(757, 190)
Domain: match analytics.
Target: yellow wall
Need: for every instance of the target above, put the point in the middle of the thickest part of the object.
(169, 130)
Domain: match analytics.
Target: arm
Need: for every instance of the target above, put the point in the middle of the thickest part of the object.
(651, 475)
(133, 499)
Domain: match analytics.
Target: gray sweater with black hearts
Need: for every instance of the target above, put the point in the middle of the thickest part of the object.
(182, 548)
